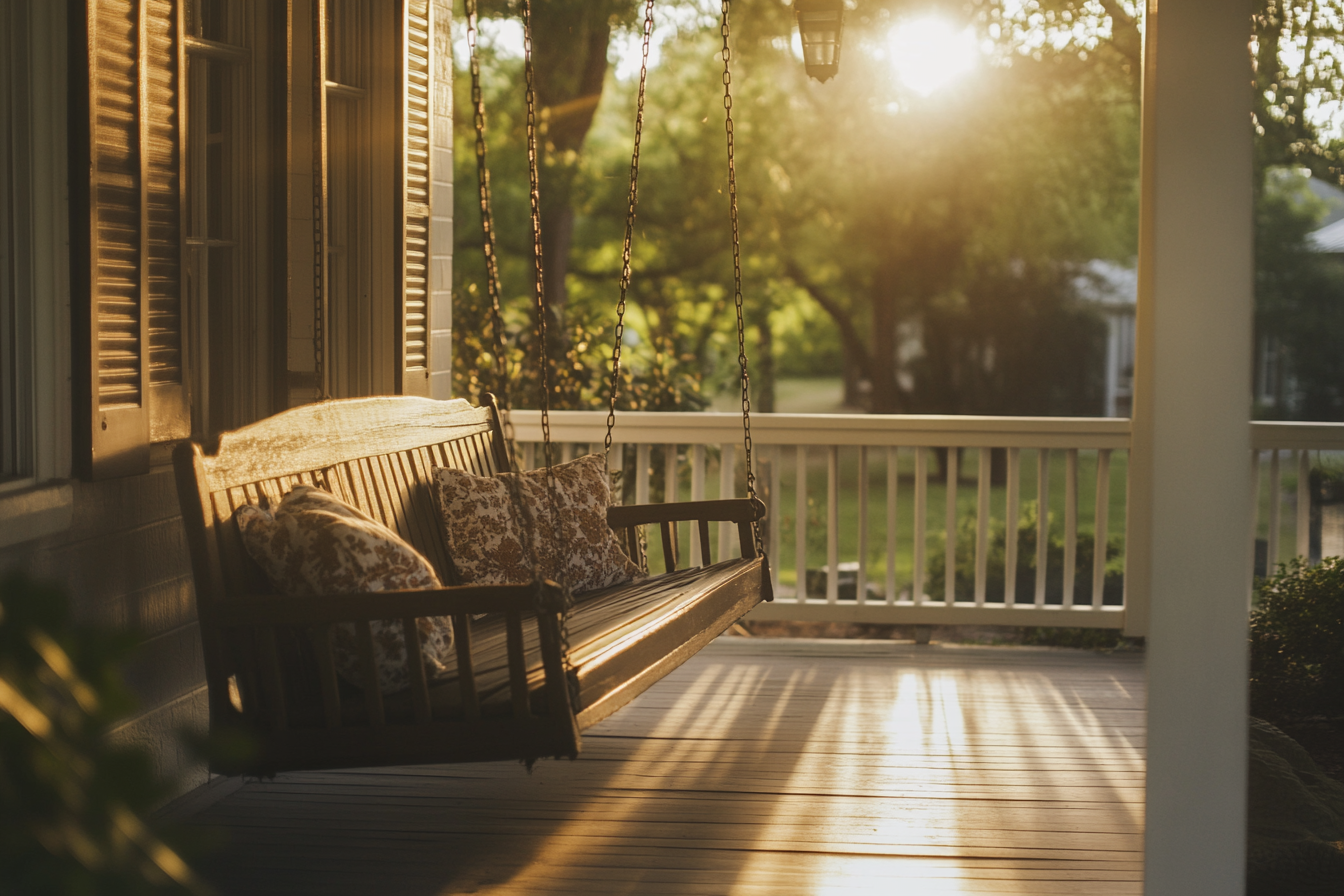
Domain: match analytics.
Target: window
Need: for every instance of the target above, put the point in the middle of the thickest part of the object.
(34, 323)
(219, 167)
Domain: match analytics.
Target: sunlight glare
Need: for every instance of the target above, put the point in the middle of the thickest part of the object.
(929, 53)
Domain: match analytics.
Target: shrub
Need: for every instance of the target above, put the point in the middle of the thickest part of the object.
(1297, 641)
(72, 803)
(1112, 585)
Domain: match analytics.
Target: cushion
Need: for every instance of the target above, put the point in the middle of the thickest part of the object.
(315, 543)
(485, 538)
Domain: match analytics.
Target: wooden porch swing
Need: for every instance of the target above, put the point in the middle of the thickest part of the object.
(535, 666)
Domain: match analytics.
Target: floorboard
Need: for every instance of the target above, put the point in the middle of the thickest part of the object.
(760, 767)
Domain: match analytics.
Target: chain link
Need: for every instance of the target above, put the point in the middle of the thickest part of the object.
(629, 232)
(737, 270)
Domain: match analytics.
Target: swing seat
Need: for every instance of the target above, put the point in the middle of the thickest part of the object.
(517, 691)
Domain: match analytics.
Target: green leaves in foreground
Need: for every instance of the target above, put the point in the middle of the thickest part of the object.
(73, 804)
(1297, 641)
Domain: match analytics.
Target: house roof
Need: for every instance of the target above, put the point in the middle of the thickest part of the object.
(1329, 238)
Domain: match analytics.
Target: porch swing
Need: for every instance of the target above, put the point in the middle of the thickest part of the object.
(534, 665)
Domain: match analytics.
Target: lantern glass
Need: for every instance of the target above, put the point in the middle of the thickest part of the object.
(819, 26)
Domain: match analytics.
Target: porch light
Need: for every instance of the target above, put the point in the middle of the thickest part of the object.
(819, 25)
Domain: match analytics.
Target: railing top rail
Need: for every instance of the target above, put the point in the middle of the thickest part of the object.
(1266, 435)
(658, 427)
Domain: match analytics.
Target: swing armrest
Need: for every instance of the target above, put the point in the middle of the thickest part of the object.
(459, 599)
(727, 510)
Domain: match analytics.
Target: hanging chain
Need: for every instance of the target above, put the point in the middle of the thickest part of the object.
(319, 219)
(629, 232)
(487, 216)
(539, 284)
(737, 272)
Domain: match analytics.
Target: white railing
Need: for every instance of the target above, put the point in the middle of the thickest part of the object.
(877, 538)
(1280, 448)
(808, 465)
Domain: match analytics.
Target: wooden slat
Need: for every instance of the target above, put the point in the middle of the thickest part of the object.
(1275, 507)
(668, 530)
(727, 469)
(415, 668)
(643, 469)
(982, 526)
(800, 522)
(699, 547)
(466, 671)
(517, 666)
(893, 480)
(1012, 510)
(368, 667)
(832, 523)
(1303, 526)
(1070, 523)
(950, 529)
(861, 586)
(321, 636)
(706, 557)
(921, 517)
(1101, 526)
(1042, 522)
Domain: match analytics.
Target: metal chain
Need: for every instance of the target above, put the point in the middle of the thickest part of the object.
(488, 242)
(539, 284)
(737, 271)
(319, 221)
(629, 232)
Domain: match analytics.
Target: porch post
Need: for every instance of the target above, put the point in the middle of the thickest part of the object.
(1189, 499)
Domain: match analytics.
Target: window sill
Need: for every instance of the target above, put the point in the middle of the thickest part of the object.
(35, 512)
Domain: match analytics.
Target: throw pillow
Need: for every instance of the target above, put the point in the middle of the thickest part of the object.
(315, 543)
(485, 537)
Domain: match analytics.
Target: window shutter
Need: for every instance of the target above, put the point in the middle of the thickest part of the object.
(169, 411)
(133, 278)
(417, 131)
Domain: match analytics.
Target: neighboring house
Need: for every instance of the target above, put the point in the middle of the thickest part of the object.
(196, 232)
(1113, 290)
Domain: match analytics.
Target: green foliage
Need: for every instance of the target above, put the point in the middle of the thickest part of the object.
(1025, 582)
(1297, 641)
(73, 804)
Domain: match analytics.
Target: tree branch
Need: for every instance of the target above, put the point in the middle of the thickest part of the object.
(849, 334)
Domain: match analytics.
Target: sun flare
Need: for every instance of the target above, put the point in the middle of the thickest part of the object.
(929, 53)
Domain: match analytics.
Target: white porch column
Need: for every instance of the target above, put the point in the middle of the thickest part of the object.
(1189, 500)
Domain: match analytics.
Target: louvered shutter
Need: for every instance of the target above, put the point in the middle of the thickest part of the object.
(134, 319)
(415, 136)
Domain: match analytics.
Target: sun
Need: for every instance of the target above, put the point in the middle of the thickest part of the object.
(929, 53)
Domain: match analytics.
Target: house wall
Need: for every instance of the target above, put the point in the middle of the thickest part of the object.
(124, 563)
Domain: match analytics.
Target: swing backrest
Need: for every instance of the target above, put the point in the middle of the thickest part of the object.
(374, 453)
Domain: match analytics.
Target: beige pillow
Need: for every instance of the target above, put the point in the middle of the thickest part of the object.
(485, 538)
(314, 543)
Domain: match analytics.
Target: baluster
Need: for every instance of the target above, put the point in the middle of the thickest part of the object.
(861, 585)
(893, 476)
(670, 474)
(1012, 510)
(727, 489)
(950, 527)
(529, 457)
(1101, 527)
(800, 527)
(697, 494)
(643, 456)
(921, 516)
(566, 452)
(775, 507)
(1275, 497)
(832, 524)
(1042, 521)
(1255, 518)
(982, 526)
(1303, 526)
(1070, 523)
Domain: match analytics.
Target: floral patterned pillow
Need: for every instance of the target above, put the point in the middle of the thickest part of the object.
(315, 543)
(485, 538)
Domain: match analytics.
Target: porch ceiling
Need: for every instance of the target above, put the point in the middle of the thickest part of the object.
(760, 767)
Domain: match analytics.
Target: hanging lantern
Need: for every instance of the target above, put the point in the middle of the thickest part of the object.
(819, 24)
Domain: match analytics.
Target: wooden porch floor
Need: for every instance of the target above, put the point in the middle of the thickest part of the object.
(760, 767)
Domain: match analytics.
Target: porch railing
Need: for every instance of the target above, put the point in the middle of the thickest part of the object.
(927, 519)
